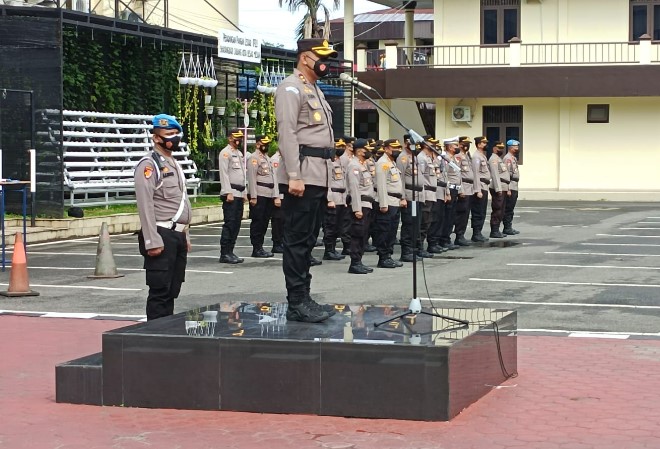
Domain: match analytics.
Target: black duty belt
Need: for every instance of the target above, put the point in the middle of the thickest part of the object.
(395, 195)
(515, 179)
(367, 198)
(442, 184)
(238, 187)
(431, 188)
(337, 190)
(469, 181)
(485, 180)
(323, 153)
(265, 184)
(416, 189)
(505, 181)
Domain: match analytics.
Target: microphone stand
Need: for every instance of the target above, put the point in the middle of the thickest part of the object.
(415, 307)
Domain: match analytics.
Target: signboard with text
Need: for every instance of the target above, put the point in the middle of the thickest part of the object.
(239, 46)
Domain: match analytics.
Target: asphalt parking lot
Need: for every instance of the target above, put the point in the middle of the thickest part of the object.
(590, 267)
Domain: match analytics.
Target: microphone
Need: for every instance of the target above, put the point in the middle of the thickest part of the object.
(354, 81)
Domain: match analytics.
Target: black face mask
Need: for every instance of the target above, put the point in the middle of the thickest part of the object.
(396, 154)
(321, 68)
(339, 152)
(174, 142)
(237, 143)
(263, 149)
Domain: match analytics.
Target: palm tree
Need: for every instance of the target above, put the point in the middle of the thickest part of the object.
(309, 25)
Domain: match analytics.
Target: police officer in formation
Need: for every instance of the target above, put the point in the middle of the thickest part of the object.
(276, 217)
(414, 187)
(468, 181)
(165, 214)
(454, 189)
(441, 198)
(345, 159)
(232, 194)
(480, 199)
(428, 195)
(511, 161)
(263, 193)
(499, 189)
(391, 198)
(362, 196)
(335, 213)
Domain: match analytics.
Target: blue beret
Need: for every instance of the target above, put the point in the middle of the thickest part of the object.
(164, 121)
(510, 143)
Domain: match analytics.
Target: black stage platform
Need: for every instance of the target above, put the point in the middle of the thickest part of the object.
(247, 357)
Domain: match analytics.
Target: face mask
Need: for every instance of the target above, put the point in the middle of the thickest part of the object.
(396, 154)
(321, 68)
(339, 152)
(264, 148)
(173, 142)
(237, 143)
(368, 154)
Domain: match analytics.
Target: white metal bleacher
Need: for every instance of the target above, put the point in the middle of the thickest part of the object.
(100, 152)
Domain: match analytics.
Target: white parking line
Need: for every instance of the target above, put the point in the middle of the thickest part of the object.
(127, 269)
(648, 222)
(640, 229)
(190, 256)
(629, 235)
(598, 335)
(590, 284)
(87, 287)
(562, 331)
(580, 266)
(643, 245)
(217, 236)
(545, 304)
(578, 253)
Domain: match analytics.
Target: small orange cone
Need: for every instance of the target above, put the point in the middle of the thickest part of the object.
(105, 261)
(19, 282)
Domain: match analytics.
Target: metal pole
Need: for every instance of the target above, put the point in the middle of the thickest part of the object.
(33, 183)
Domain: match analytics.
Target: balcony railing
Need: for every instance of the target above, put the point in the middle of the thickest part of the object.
(587, 53)
(513, 54)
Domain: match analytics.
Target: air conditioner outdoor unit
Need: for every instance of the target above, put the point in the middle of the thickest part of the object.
(461, 114)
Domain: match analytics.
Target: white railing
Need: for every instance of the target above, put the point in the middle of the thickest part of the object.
(579, 53)
(513, 54)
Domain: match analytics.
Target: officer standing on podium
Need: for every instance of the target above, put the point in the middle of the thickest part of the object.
(304, 125)
(165, 213)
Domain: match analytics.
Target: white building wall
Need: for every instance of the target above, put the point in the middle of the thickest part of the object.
(457, 22)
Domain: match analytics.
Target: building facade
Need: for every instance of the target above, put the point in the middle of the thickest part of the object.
(575, 81)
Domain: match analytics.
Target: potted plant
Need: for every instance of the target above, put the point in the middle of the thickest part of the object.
(253, 108)
(233, 107)
(220, 107)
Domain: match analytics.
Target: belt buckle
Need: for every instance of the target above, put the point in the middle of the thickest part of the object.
(327, 153)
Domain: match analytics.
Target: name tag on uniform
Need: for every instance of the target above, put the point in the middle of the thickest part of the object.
(338, 173)
(166, 174)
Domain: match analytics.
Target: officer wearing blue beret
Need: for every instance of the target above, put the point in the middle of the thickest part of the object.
(165, 214)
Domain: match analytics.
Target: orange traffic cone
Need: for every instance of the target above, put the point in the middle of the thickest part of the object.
(19, 282)
(105, 262)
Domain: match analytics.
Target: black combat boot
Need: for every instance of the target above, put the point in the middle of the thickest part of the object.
(495, 233)
(358, 268)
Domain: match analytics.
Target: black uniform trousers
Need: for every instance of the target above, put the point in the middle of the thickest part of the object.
(407, 223)
(448, 218)
(427, 216)
(276, 226)
(346, 228)
(386, 224)
(301, 219)
(165, 273)
(333, 224)
(478, 210)
(260, 215)
(359, 234)
(509, 206)
(437, 218)
(231, 226)
(497, 208)
(462, 215)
